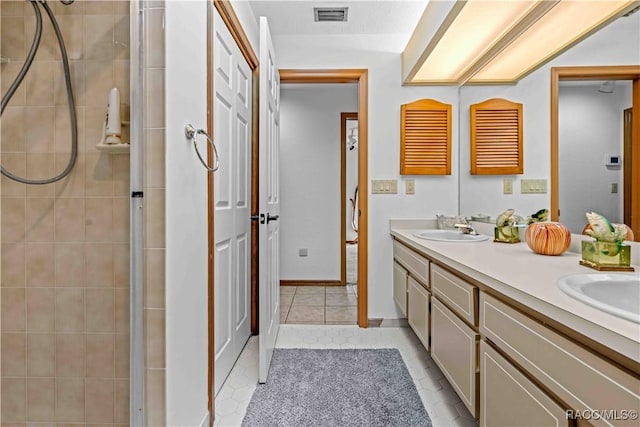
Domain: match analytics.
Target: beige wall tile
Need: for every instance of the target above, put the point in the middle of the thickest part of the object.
(73, 184)
(121, 32)
(122, 355)
(154, 278)
(93, 121)
(13, 352)
(98, 37)
(69, 310)
(121, 8)
(154, 158)
(122, 401)
(98, 219)
(40, 309)
(154, 38)
(98, 258)
(9, 73)
(98, 7)
(155, 397)
(75, 8)
(98, 81)
(40, 166)
(99, 404)
(69, 220)
(60, 89)
(121, 79)
(100, 355)
(16, 163)
(98, 174)
(70, 399)
(13, 133)
(121, 214)
(155, 217)
(122, 310)
(155, 98)
(41, 351)
(154, 339)
(14, 309)
(69, 264)
(121, 175)
(121, 265)
(11, 8)
(40, 134)
(40, 399)
(72, 27)
(13, 40)
(13, 265)
(13, 399)
(99, 310)
(70, 355)
(41, 264)
(13, 219)
(39, 219)
(63, 137)
(39, 84)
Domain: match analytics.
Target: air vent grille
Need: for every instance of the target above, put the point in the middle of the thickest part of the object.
(330, 14)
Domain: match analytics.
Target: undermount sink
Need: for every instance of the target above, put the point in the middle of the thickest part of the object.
(617, 294)
(449, 236)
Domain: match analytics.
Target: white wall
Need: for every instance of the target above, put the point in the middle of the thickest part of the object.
(590, 128)
(186, 215)
(616, 44)
(310, 178)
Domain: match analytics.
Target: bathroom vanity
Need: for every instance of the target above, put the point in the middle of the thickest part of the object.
(512, 345)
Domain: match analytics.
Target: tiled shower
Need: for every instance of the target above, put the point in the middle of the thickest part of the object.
(65, 253)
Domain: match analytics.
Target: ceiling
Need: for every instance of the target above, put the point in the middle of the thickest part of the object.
(394, 19)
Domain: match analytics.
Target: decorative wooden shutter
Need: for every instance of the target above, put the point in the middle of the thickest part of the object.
(496, 138)
(425, 138)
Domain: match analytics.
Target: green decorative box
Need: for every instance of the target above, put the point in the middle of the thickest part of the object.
(606, 255)
(506, 234)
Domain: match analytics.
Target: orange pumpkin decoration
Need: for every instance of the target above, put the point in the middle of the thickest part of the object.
(548, 238)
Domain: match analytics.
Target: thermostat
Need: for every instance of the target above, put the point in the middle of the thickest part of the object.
(613, 161)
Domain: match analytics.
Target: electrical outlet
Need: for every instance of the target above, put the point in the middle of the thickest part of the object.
(533, 186)
(507, 186)
(614, 188)
(410, 186)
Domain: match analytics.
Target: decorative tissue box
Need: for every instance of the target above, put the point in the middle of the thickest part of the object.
(606, 256)
(506, 234)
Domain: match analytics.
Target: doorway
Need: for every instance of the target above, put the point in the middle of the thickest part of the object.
(349, 200)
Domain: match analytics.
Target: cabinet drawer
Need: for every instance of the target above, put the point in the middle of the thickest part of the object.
(418, 310)
(460, 296)
(454, 348)
(400, 287)
(416, 264)
(583, 380)
(507, 397)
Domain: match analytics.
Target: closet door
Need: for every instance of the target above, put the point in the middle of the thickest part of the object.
(232, 191)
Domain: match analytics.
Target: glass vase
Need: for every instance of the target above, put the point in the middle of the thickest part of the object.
(605, 254)
(506, 234)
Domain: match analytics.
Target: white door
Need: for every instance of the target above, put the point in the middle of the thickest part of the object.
(232, 216)
(269, 245)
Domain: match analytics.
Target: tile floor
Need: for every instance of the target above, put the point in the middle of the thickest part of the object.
(324, 305)
(440, 401)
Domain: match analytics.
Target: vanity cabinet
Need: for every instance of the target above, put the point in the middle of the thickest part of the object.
(400, 276)
(418, 310)
(509, 398)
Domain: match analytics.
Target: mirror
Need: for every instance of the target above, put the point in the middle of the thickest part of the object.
(488, 194)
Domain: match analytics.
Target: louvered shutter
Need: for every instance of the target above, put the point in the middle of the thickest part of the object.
(496, 138)
(425, 138)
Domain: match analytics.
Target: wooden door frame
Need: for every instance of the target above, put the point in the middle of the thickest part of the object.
(237, 32)
(613, 72)
(361, 77)
(343, 193)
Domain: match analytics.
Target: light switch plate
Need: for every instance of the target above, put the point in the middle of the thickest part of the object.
(384, 186)
(533, 186)
(410, 186)
(507, 186)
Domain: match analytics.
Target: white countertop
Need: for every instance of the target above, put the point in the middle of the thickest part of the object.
(528, 278)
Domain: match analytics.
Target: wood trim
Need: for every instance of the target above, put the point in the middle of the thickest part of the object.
(627, 120)
(359, 76)
(237, 32)
(343, 193)
(311, 283)
(612, 72)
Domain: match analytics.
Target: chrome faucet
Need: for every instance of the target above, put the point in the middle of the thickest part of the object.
(466, 229)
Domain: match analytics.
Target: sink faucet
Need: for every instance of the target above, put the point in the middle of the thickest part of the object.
(466, 229)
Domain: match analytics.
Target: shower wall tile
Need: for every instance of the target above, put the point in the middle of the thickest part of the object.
(121, 175)
(98, 174)
(121, 79)
(40, 399)
(121, 35)
(100, 400)
(69, 219)
(122, 355)
(9, 73)
(155, 397)
(77, 84)
(96, 7)
(121, 255)
(70, 399)
(39, 139)
(122, 401)
(62, 134)
(100, 355)
(154, 278)
(100, 311)
(121, 219)
(12, 40)
(75, 8)
(98, 37)
(41, 355)
(94, 121)
(155, 98)
(98, 80)
(40, 166)
(154, 158)
(155, 216)
(13, 264)
(69, 310)
(13, 133)
(98, 219)
(73, 185)
(154, 335)
(41, 262)
(39, 84)
(40, 309)
(98, 258)
(154, 38)
(14, 350)
(72, 27)
(69, 259)
(13, 401)
(39, 219)
(70, 355)
(48, 49)
(14, 309)
(17, 165)
(13, 219)
(122, 313)
(11, 8)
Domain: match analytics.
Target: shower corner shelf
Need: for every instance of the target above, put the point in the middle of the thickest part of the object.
(113, 148)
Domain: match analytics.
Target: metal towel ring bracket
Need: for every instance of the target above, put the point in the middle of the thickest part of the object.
(192, 133)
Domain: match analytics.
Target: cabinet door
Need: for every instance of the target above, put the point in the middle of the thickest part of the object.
(418, 307)
(454, 347)
(400, 287)
(508, 398)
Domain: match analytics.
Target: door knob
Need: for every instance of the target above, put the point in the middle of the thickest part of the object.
(272, 217)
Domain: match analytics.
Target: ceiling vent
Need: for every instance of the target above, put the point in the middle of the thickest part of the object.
(330, 14)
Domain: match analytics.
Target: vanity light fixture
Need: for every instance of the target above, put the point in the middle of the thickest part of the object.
(500, 42)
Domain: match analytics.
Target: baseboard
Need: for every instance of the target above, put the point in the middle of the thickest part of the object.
(205, 420)
(311, 283)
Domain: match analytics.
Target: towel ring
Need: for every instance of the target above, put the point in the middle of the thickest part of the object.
(193, 133)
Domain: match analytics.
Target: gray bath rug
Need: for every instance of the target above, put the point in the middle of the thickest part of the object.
(336, 388)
